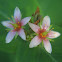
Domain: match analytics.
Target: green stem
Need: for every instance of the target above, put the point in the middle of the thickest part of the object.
(53, 59)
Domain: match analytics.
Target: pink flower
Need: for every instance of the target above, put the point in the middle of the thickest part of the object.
(16, 26)
(43, 34)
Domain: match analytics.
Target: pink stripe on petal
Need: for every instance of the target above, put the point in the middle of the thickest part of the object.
(53, 34)
(25, 20)
(7, 24)
(17, 14)
(46, 22)
(21, 33)
(34, 27)
(34, 42)
(10, 36)
(47, 46)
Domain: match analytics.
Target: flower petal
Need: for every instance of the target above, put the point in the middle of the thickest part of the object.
(34, 27)
(22, 34)
(7, 24)
(10, 36)
(46, 22)
(25, 20)
(34, 42)
(17, 14)
(47, 46)
(53, 34)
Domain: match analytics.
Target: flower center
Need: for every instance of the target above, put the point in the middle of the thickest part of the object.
(43, 34)
(16, 26)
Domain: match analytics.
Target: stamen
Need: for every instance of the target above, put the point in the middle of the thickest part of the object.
(16, 16)
(18, 22)
(8, 18)
(45, 24)
(15, 28)
(42, 35)
(12, 16)
(45, 39)
(52, 28)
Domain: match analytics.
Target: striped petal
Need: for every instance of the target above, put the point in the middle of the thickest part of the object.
(46, 22)
(53, 34)
(34, 27)
(34, 42)
(25, 20)
(10, 36)
(7, 24)
(17, 14)
(21, 33)
(47, 46)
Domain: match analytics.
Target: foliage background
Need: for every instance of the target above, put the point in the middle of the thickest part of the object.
(18, 50)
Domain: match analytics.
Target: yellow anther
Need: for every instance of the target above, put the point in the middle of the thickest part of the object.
(45, 24)
(8, 18)
(18, 22)
(52, 28)
(42, 35)
(45, 39)
(12, 16)
(15, 28)
(41, 29)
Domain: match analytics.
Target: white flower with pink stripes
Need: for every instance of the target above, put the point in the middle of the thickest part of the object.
(43, 34)
(16, 26)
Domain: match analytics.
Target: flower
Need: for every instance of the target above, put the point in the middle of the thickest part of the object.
(16, 25)
(43, 34)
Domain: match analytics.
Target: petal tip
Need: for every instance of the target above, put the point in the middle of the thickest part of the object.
(16, 8)
(47, 16)
(30, 46)
(49, 51)
(7, 42)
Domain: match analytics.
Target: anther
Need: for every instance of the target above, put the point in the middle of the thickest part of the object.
(45, 39)
(8, 18)
(12, 16)
(45, 24)
(18, 22)
(15, 28)
(52, 28)
(42, 35)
